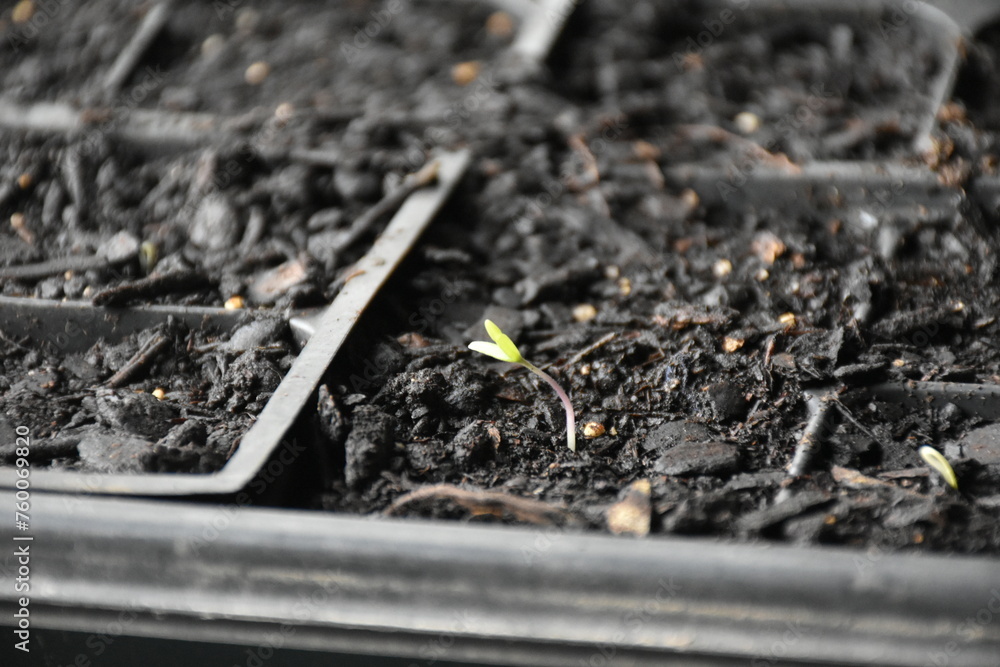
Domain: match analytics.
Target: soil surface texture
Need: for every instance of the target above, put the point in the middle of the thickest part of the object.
(715, 231)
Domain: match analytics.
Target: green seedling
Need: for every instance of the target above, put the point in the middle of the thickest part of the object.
(503, 348)
(939, 463)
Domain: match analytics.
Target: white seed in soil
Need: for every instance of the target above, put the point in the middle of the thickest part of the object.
(747, 122)
(730, 344)
(23, 11)
(212, 45)
(500, 24)
(722, 268)
(584, 312)
(256, 73)
(284, 112)
(465, 73)
(767, 247)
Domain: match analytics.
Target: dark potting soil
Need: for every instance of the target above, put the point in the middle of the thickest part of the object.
(977, 86)
(811, 84)
(687, 333)
(182, 408)
(226, 221)
(694, 379)
(341, 57)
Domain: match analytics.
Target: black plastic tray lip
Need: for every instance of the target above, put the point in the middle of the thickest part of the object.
(876, 185)
(72, 326)
(514, 587)
(971, 15)
(275, 420)
(975, 399)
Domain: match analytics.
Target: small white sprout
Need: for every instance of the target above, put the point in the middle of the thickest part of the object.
(939, 463)
(503, 348)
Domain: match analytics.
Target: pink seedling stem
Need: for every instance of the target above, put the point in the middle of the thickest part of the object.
(564, 397)
(503, 348)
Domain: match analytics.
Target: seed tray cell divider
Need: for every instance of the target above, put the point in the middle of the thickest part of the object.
(73, 326)
(140, 127)
(883, 188)
(979, 400)
(290, 397)
(873, 195)
(174, 131)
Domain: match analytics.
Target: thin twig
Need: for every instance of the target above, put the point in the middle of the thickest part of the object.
(147, 288)
(427, 175)
(486, 502)
(851, 418)
(601, 342)
(51, 267)
(716, 134)
(143, 356)
(128, 57)
(812, 437)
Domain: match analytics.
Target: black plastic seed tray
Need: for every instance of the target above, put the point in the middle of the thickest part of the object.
(879, 199)
(272, 582)
(79, 325)
(178, 581)
(73, 327)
